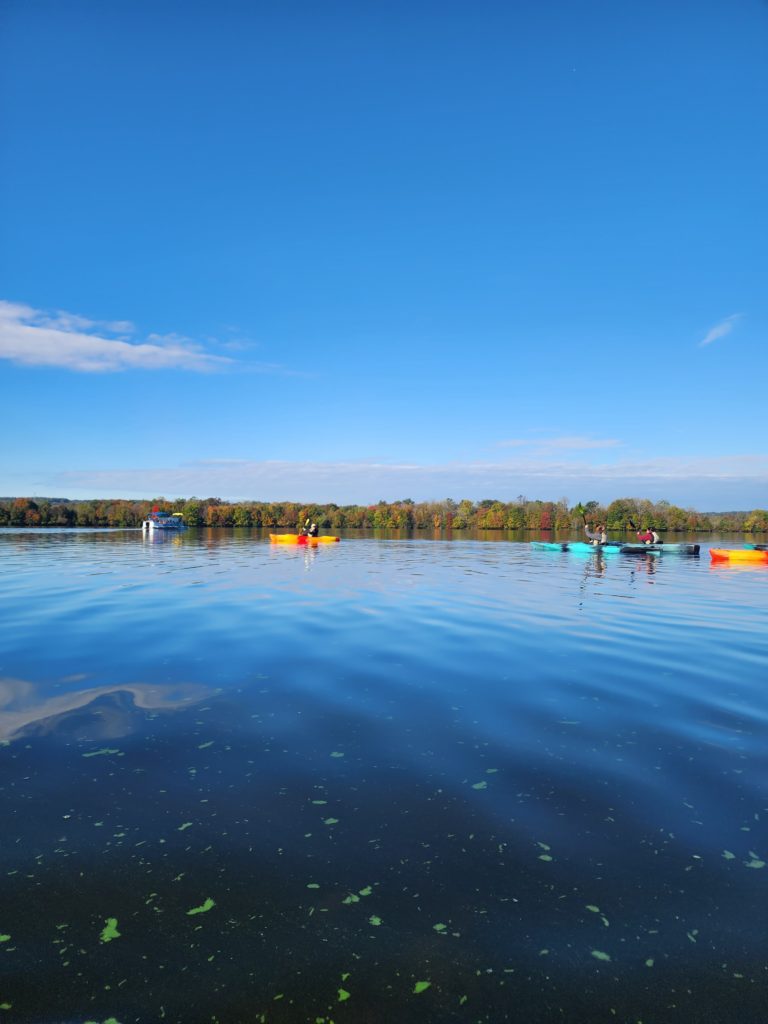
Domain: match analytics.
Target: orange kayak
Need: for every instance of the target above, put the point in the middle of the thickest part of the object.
(300, 538)
(737, 555)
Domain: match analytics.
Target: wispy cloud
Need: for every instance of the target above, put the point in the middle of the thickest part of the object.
(32, 337)
(676, 478)
(553, 444)
(720, 330)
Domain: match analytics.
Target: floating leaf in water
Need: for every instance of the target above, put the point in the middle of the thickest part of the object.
(545, 856)
(755, 862)
(319, 802)
(312, 885)
(649, 962)
(544, 846)
(593, 908)
(5, 938)
(598, 954)
(727, 855)
(480, 785)
(202, 746)
(366, 891)
(204, 907)
(187, 824)
(330, 821)
(439, 927)
(343, 995)
(110, 931)
(103, 751)
(337, 753)
(374, 920)
(351, 899)
(421, 986)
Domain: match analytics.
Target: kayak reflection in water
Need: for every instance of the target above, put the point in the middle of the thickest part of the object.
(594, 567)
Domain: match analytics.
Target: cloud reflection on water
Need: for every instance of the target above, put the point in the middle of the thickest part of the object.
(100, 712)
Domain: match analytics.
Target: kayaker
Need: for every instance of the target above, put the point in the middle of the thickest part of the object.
(646, 536)
(312, 532)
(598, 536)
(307, 526)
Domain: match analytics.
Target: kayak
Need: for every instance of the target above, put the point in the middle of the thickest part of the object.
(613, 547)
(577, 545)
(738, 555)
(300, 538)
(756, 547)
(658, 549)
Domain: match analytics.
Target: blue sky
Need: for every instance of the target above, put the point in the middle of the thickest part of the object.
(349, 251)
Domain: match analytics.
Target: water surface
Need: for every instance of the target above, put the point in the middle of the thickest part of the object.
(384, 780)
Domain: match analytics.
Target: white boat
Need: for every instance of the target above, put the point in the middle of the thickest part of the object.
(164, 521)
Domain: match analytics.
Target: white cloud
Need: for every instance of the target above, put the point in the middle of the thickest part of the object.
(550, 444)
(31, 337)
(721, 329)
(72, 322)
(683, 480)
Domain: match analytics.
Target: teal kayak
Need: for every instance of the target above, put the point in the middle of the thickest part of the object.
(756, 547)
(615, 547)
(577, 545)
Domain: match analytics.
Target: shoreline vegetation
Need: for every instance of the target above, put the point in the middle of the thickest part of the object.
(489, 514)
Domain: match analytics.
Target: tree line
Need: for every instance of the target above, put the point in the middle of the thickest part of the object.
(489, 514)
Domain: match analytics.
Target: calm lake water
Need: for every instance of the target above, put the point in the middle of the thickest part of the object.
(389, 780)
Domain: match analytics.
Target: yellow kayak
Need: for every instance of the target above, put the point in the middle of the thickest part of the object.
(300, 538)
(737, 555)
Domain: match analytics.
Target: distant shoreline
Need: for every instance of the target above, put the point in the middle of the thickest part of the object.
(523, 514)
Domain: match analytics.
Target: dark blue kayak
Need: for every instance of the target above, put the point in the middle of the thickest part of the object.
(658, 549)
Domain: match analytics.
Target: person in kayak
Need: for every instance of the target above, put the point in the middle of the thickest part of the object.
(310, 528)
(596, 536)
(649, 536)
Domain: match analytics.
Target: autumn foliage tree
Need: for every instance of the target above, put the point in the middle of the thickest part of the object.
(622, 515)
